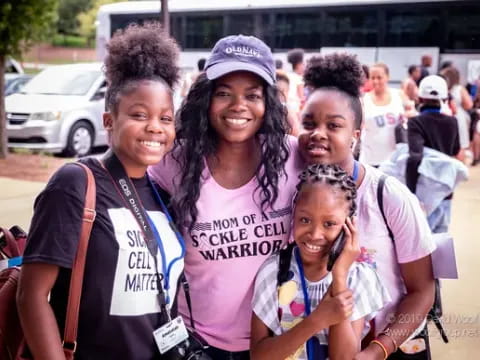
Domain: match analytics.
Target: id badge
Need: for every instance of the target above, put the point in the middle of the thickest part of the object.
(170, 334)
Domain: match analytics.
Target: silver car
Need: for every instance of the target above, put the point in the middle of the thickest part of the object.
(59, 110)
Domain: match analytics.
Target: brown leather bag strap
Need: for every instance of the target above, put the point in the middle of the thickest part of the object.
(76, 279)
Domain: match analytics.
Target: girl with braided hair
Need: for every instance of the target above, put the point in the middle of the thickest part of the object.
(120, 305)
(331, 125)
(314, 315)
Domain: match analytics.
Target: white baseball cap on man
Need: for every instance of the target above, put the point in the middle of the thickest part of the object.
(433, 87)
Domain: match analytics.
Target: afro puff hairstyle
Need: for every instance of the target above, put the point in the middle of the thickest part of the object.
(139, 53)
(341, 72)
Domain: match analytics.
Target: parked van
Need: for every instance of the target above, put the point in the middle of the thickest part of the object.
(59, 110)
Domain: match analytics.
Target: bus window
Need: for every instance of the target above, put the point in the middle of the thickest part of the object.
(176, 29)
(241, 24)
(419, 27)
(464, 28)
(121, 21)
(203, 31)
(298, 30)
(355, 28)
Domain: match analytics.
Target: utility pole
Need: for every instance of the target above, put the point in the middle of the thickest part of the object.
(165, 16)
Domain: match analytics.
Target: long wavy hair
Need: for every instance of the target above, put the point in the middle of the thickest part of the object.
(197, 139)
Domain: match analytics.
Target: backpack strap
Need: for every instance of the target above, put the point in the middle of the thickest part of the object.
(381, 185)
(76, 279)
(284, 263)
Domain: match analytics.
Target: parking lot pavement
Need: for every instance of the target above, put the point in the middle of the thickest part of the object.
(16, 201)
(461, 298)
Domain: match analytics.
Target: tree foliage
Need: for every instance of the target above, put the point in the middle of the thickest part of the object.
(68, 11)
(87, 19)
(22, 23)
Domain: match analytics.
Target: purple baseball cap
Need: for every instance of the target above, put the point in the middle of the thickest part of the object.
(241, 53)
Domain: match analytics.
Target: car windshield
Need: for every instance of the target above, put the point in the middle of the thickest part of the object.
(62, 81)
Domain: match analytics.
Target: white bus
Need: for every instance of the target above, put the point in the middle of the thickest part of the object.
(395, 32)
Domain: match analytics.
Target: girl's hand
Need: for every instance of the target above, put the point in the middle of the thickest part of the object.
(350, 252)
(334, 309)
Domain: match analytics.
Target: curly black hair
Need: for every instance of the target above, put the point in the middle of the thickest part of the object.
(295, 57)
(338, 71)
(197, 140)
(139, 53)
(332, 175)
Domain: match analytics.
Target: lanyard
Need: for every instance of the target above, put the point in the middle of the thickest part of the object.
(306, 300)
(355, 170)
(166, 269)
(151, 235)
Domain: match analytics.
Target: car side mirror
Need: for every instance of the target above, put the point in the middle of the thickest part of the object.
(100, 93)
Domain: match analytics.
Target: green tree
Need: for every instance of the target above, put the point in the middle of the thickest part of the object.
(87, 19)
(68, 11)
(22, 23)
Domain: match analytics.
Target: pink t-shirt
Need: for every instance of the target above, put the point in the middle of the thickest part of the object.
(229, 242)
(407, 221)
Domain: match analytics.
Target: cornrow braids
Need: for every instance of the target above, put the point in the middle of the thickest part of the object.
(332, 175)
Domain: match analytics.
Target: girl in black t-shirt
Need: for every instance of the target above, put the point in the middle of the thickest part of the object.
(119, 307)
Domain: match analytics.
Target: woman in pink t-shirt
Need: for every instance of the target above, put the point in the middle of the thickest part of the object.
(331, 123)
(225, 174)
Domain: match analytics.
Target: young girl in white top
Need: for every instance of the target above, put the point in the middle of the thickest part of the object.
(313, 315)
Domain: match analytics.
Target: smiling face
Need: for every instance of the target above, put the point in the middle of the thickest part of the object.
(327, 129)
(320, 212)
(237, 107)
(379, 79)
(142, 130)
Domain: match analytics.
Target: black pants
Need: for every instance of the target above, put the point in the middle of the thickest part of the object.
(219, 354)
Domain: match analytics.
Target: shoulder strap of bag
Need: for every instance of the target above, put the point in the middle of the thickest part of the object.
(284, 263)
(76, 279)
(381, 185)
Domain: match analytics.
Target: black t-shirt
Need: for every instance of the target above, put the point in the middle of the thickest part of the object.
(434, 130)
(119, 307)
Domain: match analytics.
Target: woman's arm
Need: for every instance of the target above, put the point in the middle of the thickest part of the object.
(412, 309)
(344, 339)
(36, 315)
(331, 310)
(467, 102)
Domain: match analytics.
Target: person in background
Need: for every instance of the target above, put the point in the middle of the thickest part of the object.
(384, 110)
(436, 131)
(445, 65)
(409, 85)
(367, 84)
(426, 63)
(462, 104)
(296, 59)
(191, 77)
(278, 64)
(283, 86)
